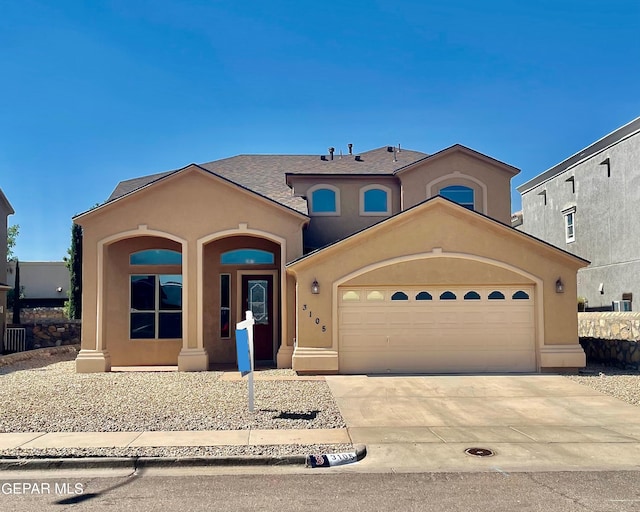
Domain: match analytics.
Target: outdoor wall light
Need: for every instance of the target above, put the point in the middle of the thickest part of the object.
(315, 287)
(59, 289)
(559, 286)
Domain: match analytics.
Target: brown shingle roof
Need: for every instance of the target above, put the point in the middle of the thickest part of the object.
(265, 174)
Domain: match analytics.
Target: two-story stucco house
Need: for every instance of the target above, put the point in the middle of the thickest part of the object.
(588, 205)
(388, 260)
(5, 211)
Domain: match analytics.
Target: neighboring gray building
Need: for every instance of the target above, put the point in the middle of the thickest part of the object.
(5, 211)
(589, 205)
(42, 283)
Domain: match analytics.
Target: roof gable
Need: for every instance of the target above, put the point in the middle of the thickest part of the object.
(162, 177)
(459, 148)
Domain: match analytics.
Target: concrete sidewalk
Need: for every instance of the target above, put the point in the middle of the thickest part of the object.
(39, 440)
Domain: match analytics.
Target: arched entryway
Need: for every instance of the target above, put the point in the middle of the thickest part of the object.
(142, 291)
(241, 272)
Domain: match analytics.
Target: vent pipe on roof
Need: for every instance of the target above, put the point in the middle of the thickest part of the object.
(350, 146)
(398, 147)
(331, 150)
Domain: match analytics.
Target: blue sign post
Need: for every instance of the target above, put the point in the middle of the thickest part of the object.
(244, 349)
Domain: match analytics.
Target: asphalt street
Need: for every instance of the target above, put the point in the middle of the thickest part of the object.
(293, 489)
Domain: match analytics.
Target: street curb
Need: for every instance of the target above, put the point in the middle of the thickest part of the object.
(134, 463)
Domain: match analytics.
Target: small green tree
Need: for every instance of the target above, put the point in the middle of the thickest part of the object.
(12, 236)
(73, 261)
(16, 296)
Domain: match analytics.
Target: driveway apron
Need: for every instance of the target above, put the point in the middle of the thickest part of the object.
(528, 422)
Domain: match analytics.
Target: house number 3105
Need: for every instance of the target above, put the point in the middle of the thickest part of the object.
(316, 320)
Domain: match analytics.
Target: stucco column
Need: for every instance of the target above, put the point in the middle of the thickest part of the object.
(93, 356)
(193, 357)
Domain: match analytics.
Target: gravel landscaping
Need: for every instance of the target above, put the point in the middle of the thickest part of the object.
(622, 384)
(44, 394)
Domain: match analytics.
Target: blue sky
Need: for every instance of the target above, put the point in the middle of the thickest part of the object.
(96, 92)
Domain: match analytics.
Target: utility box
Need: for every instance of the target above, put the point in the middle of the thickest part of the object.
(621, 305)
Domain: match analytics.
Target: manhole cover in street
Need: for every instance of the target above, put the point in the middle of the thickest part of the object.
(479, 452)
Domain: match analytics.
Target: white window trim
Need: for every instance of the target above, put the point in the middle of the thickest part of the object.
(385, 213)
(320, 186)
(569, 213)
(460, 178)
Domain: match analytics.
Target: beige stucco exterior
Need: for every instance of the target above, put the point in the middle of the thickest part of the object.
(489, 179)
(437, 242)
(196, 213)
(422, 239)
(327, 228)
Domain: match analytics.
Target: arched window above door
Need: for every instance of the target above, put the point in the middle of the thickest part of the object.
(247, 257)
(156, 257)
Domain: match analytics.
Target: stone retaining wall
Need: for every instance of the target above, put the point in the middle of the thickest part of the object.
(609, 325)
(35, 315)
(611, 338)
(52, 334)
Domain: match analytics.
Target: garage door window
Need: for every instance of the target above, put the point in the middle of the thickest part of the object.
(375, 295)
(496, 295)
(448, 296)
(472, 296)
(520, 295)
(424, 296)
(350, 296)
(399, 296)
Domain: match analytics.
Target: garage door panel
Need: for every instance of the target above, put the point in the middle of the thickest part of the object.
(438, 336)
(399, 318)
(357, 343)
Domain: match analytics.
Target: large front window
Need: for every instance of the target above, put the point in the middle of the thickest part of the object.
(156, 306)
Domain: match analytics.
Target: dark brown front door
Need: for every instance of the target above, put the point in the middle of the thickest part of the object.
(257, 297)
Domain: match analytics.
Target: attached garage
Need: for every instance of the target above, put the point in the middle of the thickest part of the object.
(426, 329)
(437, 289)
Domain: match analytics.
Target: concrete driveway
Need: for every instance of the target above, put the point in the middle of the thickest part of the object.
(530, 422)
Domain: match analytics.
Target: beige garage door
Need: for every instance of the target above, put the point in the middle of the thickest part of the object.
(436, 330)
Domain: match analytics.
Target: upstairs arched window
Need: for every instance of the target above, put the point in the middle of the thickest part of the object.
(375, 200)
(464, 196)
(324, 200)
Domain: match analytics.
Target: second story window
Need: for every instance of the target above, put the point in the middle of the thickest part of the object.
(324, 200)
(462, 195)
(570, 224)
(375, 200)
